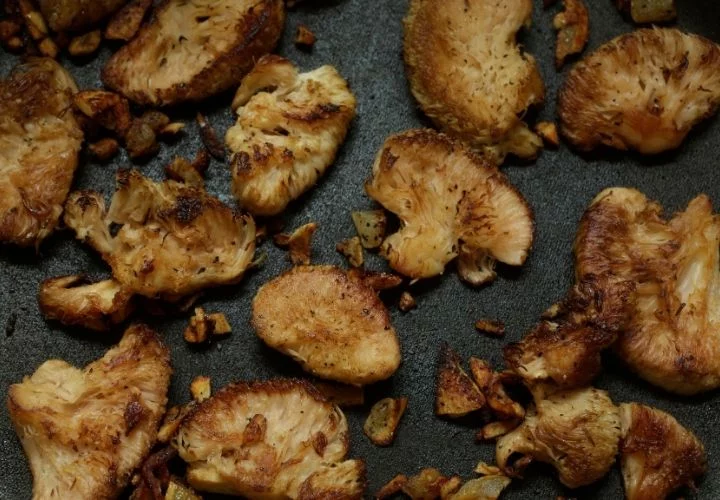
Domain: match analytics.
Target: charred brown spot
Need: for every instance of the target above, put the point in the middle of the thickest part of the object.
(132, 415)
(255, 430)
(319, 443)
(187, 208)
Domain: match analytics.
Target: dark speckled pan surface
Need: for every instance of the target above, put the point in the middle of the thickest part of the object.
(363, 39)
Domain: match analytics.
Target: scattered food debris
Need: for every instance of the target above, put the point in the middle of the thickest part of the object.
(85, 45)
(384, 418)
(203, 325)
(491, 327)
(456, 393)
(370, 226)
(573, 28)
(298, 243)
(549, 133)
(304, 37)
(209, 137)
(407, 302)
(104, 149)
(352, 250)
(126, 22)
(200, 388)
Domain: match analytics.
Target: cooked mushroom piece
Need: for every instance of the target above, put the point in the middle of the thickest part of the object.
(672, 337)
(272, 439)
(456, 394)
(189, 51)
(658, 454)
(290, 126)
(334, 325)
(163, 240)
(644, 90)
(649, 11)
(85, 431)
(73, 15)
(451, 203)
(573, 28)
(468, 73)
(427, 484)
(575, 431)
(40, 142)
(73, 300)
(565, 351)
(383, 420)
(125, 24)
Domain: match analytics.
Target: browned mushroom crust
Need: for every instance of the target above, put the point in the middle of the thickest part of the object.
(332, 323)
(73, 15)
(271, 439)
(40, 142)
(192, 50)
(451, 203)
(658, 455)
(468, 73)
(673, 336)
(85, 431)
(164, 240)
(643, 90)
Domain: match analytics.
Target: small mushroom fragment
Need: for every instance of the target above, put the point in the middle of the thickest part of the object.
(200, 388)
(178, 491)
(384, 419)
(428, 484)
(468, 72)
(353, 250)
(202, 326)
(209, 137)
(304, 37)
(74, 15)
(452, 204)
(125, 24)
(85, 45)
(648, 11)
(271, 439)
(189, 51)
(658, 454)
(378, 281)
(106, 109)
(334, 325)
(289, 129)
(406, 302)
(456, 394)
(104, 149)
(643, 90)
(298, 243)
(490, 327)
(485, 488)
(549, 133)
(81, 427)
(73, 300)
(370, 226)
(573, 28)
(576, 431)
(190, 173)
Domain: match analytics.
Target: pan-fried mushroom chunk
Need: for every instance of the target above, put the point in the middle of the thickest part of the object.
(73, 300)
(428, 484)
(484, 488)
(566, 350)
(648, 11)
(298, 243)
(125, 24)
(644, 90)
(73, 15)
(575, 431)
(673, 335)
(384, 419)
(334, 325)
(163, 240)
(352, 249)
(290, 126)
(456, 394)
(85, 45)
(451, 203)
(658, 455)
(202, 326)
(273, 439)
(193, 50)
(370, 226)
(468, 73)
(39, 146)
(573, 28)
(85, 431)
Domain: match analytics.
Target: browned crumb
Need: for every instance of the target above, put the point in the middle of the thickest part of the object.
(342, 395)
(156, 120)
(305, 37)
(140, 140)
(203, 325)
(34, 20)
(107, 109)
(298, 243)
(104, 149)
(15, 44)
(48, 48)
(200, 388)
(392, 487)
(352, 250)
(86, 44)
(370, 226)
(209, 137)
(407, 302)
(429, 483)
(220, 324)
(383, 420)
(376, 280)
(491, 327)
(456, 394)
(126, 22)
(573, 30)
(548, 132)
(486, 469)
(172, 129)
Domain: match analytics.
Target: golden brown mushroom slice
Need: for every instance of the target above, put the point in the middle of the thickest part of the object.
(658, 454)
(575, 431)
(74, 300)
(644, 90)
(40, 142)
(164, 240)
(85, 431)
(468, 73)
(451, 203)
(456, 394)
(331, 323)
(189, 51)
(73, 15)
(673, 335)
(290, 126)
(271, 439)
(565, 350)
